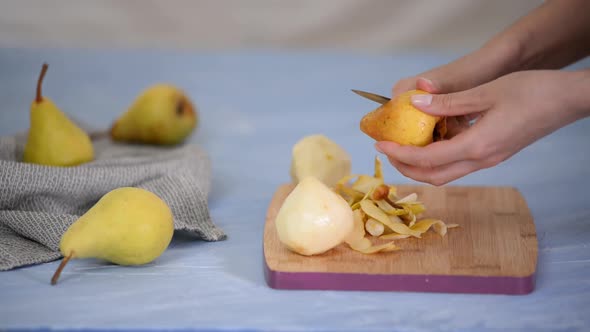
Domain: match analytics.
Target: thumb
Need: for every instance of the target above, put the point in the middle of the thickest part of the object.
(452, 104)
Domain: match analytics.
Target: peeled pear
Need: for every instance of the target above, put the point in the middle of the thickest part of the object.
(399, 121)
(161, 115)
(320, 157)
(127, 226)
(313, 219)
(53, 139)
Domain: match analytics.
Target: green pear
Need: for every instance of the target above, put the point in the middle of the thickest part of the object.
(161, 115)
(53, 139)
(127, 226)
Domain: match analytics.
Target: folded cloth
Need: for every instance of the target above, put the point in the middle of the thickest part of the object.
(38, 203)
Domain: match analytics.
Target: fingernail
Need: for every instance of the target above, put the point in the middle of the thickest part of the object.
(378, 148)
(427, 81)
(421, 100)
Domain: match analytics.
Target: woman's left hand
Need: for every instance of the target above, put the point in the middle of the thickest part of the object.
(512, 112)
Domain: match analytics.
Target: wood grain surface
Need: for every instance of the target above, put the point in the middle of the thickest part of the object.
(496, 238)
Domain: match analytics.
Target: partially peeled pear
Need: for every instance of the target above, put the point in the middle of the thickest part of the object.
(313, 218)
(399, 121)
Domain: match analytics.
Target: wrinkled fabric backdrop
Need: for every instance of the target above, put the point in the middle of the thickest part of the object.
(360, 25)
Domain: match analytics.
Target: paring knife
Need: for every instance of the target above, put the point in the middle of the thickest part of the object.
(371, 96)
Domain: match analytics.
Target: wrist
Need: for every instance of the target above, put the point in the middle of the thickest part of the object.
(503, 54)
(580, 84)
(494, 59)
(491, 61)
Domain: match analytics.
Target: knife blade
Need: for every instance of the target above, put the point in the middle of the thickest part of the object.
(372, 96)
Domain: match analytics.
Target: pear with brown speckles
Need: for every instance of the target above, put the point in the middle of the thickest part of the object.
(161, 115)
(399, 121)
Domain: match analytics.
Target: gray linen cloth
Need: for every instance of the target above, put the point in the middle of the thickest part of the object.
(38, 203)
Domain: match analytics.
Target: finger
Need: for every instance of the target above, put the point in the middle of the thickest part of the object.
(453, 104)
(403, 85)
(427, 85)
(472, 116)
(456, 125)
(433, 155)
(437, 176)
(420, 83)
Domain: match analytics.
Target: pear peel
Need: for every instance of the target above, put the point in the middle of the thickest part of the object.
(127, 226)
(397, 215)
(377, 211)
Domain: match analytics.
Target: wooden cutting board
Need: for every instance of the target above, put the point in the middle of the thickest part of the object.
(493, 251)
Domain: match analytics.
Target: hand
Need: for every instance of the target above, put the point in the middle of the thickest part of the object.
(513, 112)
(494, 59)
(455, 124)
(467, 72)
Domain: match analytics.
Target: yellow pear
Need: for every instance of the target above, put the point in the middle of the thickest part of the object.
(53, 139)
(127, 226)
(161, 115)
(399, 121)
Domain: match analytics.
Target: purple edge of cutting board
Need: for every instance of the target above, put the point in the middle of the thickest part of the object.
(399, 282)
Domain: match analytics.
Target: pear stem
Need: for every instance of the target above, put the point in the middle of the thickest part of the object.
(39, 97)
(60, 268)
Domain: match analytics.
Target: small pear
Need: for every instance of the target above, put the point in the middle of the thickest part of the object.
(161, 115)
(127, 226)
(53, 139)
(399, 121)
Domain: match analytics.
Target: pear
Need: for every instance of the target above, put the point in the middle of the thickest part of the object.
(127, 226)
(313, 218)
(399, 121)
(161, 115)
(320, 157)
(53, 139)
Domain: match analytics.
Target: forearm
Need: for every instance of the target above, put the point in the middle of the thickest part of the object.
(554, 35)
(476, 68)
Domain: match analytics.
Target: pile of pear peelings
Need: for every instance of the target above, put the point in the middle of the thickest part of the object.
(378, 211)
(329, 206)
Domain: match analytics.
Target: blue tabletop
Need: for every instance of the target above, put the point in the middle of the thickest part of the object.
(253, 108)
